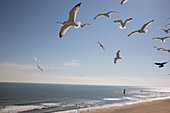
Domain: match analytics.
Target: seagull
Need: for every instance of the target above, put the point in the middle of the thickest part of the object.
(161, 39)
(166, 30)
(123, 1)
(39, 67)
(158, 48)
(71, 21)
(77, 108)
(161, 64)
(36, 59)
(81, 75)
(105, 14)
(166, 50)
(167, 25)
(142, 29)
(117, 57)
(101, 45)
(122, 26)
(82, 26)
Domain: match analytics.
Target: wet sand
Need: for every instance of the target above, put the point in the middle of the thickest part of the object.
(156, 106)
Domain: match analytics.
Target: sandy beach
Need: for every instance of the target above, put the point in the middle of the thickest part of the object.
(157, 106)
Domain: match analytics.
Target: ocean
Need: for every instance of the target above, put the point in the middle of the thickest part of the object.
(60, 98)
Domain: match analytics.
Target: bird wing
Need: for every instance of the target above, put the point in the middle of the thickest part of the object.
(119, 21)
(112, 12)
(128, 20)
(133, 33)
(64, 29)
(118, 53)
(123, 1)
(145, 25)
(157, 38)
(167, 25)
(98, 16)
(73, 12)
(158, 63)
(84, 25)
(115, 60)
(60, 23)
(164, 63)
(166, 37)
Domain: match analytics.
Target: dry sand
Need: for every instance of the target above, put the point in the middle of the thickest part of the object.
(157, 106)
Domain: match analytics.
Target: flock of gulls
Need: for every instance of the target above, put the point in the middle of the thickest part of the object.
(72, 22)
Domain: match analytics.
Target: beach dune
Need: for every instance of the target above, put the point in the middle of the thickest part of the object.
(157, 106)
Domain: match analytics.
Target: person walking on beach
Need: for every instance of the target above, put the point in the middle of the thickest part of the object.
(124, 91)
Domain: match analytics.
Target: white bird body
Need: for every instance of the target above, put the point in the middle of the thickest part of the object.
(36, 59)
(105, 14)
(71, 21)
(117, 57)
(142, 29)
(122, 24)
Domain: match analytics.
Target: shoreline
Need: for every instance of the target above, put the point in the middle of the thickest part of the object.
(151, 106)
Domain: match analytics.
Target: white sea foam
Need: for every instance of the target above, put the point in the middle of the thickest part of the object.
(112, 99)
(51, 104)
(16, 109)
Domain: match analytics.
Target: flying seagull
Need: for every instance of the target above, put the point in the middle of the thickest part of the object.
(166, 50)
(161, 64)
(39, 67)
(166, 30)
(122, 25)
(167, 25)
(101, 45)
(82, 26)
(105, 14)
(123, 1)
(161, 39)
(142, 29)
(158, 48)
(36, 59)
(71, 21)
(117, 57)
(81, 75)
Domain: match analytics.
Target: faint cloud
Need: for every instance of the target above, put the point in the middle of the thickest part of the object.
(72, 63)
(12, 66)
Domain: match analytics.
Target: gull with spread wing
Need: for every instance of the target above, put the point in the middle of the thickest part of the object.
(71, 21)
(101, 45)
(142, 29)
(36, 59)
(158, 48)
(105, 14)
(161, 64)
(117, 57)
(39, 67)
(122, 24)
(161, 39)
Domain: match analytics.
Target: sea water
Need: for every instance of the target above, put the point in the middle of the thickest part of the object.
(60, 98)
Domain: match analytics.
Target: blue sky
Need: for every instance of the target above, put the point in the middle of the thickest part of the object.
(28, 29)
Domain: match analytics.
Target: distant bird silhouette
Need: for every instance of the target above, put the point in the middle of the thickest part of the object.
(71, 21)
(123, 1)
(168, 74)
(81, 75)
(124, 92)
(77, 108)
(142, 29)
(101, 45)
(166, 50)
(165, 30)
(105, 14)
(122, 25)
(39, 67)
(36, 59)
(161, 64)
(158, 48)
(82, 26)
(167, 25)
(117, 56)
(161, 39)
